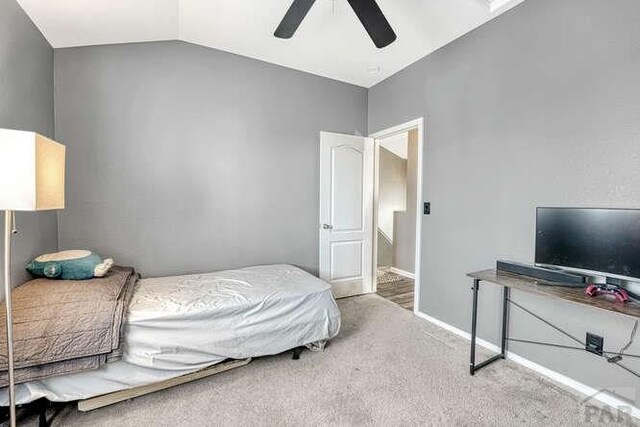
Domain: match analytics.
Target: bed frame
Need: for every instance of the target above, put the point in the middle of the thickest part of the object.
(92, 403)
(118, 396)
(42, 406)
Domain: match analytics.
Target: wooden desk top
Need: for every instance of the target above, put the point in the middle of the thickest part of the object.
(573, 295)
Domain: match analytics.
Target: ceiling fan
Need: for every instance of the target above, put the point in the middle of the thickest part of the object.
(367, 11)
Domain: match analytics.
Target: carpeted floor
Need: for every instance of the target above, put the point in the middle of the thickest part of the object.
(387, 367)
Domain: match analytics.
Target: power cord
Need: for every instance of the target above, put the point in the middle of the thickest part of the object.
(618, 357)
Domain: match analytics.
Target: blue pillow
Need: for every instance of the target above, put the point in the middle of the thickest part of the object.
(70, 265)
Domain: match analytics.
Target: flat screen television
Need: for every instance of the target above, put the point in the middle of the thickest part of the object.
(603, 242)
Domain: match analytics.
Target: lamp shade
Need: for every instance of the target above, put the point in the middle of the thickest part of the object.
(31, 172)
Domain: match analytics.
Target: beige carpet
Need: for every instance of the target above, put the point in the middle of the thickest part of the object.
(387, 367)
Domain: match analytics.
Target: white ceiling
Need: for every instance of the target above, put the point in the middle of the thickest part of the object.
(331, 42)
(397, 144)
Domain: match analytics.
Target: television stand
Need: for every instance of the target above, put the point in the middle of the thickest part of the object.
(534, 286)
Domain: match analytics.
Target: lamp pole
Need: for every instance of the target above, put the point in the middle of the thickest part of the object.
(8, 227)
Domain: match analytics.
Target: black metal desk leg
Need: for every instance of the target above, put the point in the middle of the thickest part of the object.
(474, 327)
(505, 321)
(474, 321)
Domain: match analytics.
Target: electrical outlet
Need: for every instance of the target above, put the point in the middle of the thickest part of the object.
(427, 208)
(594, 344)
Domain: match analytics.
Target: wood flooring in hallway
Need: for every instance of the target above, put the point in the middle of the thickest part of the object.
(396, 288)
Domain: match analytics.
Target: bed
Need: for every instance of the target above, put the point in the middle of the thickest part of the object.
(185, 324)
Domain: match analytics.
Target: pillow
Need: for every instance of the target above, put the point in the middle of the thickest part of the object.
(70, 265)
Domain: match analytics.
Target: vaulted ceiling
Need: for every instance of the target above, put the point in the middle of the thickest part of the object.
(331, 42)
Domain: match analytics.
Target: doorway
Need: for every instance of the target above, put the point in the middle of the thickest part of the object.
(349, 225)
(398, 213)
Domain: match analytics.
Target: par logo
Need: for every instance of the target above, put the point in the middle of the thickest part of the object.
(600, 413)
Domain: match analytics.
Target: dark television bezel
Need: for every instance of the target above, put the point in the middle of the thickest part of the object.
(586, 272)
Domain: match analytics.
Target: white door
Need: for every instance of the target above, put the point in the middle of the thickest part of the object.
(346, 213)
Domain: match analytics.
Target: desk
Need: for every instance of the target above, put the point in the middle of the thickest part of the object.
(534, 286)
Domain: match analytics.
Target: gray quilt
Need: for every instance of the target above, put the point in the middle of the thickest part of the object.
(65, 326)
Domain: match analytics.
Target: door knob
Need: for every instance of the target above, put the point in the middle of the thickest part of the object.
(327, 226)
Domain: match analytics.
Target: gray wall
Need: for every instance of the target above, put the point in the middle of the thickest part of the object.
(392, 197)
(539, 107)
(188, 159)
(26, 103)
(404, 256)
(385, 250)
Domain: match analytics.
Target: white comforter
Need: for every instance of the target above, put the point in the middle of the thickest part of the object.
(177, 325)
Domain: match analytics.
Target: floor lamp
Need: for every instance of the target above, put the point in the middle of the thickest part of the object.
(31, 179)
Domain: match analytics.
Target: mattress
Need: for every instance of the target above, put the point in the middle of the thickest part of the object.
(177, 325)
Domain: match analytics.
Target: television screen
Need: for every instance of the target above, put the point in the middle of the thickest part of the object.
(598, 240)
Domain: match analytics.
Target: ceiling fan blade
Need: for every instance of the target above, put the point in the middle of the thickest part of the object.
(293, 18)
(374, 22)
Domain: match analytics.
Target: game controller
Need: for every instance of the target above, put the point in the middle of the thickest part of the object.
(595, 289)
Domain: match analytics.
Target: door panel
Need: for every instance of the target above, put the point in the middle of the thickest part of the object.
(346, 260)
(346, 213)
(346, 188)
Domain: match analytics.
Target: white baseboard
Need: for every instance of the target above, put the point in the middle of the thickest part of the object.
(603, 397)
(402, 273)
